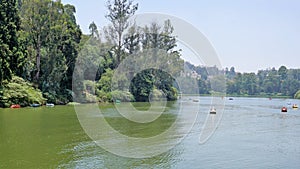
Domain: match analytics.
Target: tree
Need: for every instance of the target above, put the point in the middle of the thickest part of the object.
(70, 45)
(282, 72)
(157, 45)
(94, 30)
(35, 20)
(250, 83)
(271, 82)
(53, 40)
(119, 12)
(11, 54)
(132, 39)
(238, 83)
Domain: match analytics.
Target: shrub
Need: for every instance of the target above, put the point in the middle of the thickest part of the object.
(104, 96)
(18, 91)
(297, 95)
(122, 95)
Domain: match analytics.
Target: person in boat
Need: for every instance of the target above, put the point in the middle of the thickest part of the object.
(213, 111)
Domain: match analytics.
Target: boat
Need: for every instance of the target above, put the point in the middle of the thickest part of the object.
(35, 105)
(295, 106)
(15, 106)
(283, 109)
(195, 100)
(49, 105)
(230, 98)
(213, 111)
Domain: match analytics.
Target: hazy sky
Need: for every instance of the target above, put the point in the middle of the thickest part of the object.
(247, 34)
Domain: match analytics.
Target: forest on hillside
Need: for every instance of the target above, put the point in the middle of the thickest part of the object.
(42, 47)
(270, 82)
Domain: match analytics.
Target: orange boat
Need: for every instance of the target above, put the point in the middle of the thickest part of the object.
(15, 106)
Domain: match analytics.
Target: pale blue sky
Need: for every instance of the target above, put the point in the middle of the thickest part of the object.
(247, 34)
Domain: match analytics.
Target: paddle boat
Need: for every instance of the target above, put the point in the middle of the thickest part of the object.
(15, 106)
(35, 105)
(295, 106)
(49, 105)
(283, 109)
(213, 111)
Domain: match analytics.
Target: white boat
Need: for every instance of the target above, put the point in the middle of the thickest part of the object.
(49, 105)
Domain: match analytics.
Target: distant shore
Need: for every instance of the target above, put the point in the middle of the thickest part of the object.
(236, 95)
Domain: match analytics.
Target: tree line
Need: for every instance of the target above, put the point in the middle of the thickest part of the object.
(41, 43)
(270, 82)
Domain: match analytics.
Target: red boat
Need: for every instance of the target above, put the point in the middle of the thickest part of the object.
(14, 106)
(283, 109)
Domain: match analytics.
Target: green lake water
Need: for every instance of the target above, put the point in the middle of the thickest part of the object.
(253, 133)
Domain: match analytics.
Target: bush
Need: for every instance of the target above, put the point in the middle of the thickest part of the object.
(122, 96)
(18, 91)
(297, 95)
(104, 96)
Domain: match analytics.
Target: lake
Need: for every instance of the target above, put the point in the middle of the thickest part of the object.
(253, 133)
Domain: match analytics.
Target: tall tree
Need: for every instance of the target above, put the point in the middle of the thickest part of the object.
(53, 43)
(250, 83)
(282, 71)
(157, 46)
(119, 12)
(35, 22)
(11, 55)
(70, 44)
(94, 30)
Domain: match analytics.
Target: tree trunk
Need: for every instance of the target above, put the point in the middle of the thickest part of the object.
(119, 49)
(38, 59)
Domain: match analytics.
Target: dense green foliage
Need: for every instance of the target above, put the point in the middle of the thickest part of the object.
(154, 43)
(53, 38)
(284, 82)
(151, 81)
(18, 91)
(270, 82)
(11, 52)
